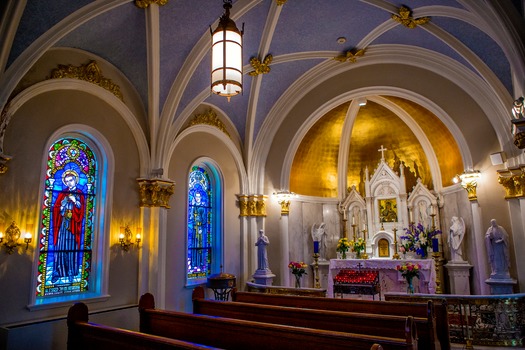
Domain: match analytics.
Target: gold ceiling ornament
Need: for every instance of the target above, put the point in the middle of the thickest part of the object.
(405, 18)
(280, 2)
(155, 193)
(260, 67)
(350, 55)
(88, 72)
(513, 181)
(209, 118)
(145, 3)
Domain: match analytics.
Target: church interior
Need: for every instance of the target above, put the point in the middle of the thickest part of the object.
(132, 162)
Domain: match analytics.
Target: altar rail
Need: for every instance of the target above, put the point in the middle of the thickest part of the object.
(490, 320)
(261, 288)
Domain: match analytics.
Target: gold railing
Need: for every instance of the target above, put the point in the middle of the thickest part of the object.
(489, 320)
(261, 288)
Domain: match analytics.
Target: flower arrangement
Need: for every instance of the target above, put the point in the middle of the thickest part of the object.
(298, 270)
(418, 239)
(409, 271)
(342, 246)
(358, 245)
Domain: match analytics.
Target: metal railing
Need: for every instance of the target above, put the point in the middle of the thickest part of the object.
(489, 320)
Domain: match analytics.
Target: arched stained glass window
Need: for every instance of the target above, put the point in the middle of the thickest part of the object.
(200, 224)
(66, 231)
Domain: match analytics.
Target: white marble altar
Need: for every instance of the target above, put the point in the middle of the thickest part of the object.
(389, 278)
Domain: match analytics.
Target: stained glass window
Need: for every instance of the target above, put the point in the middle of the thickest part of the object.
(66, 231)
(200, 224)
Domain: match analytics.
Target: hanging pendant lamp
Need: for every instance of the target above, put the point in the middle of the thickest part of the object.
(226, 54)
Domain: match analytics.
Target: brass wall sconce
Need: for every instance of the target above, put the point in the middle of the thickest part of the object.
(469, 181)
(11, 237)
(284, 198)
(125, 238)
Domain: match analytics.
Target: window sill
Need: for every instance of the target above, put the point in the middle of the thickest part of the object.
(63, 301)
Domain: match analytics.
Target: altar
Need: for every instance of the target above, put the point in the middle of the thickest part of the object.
(390, 280)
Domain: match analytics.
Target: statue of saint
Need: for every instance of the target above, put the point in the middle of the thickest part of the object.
(262, 255)
(497, 243)
(319, 235)
(455, 238)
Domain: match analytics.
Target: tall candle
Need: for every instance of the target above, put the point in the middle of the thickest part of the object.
(316, 247)
(435, 245)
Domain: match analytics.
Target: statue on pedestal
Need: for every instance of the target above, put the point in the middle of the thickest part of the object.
(497, 244)
(455, 238)
(262, 254)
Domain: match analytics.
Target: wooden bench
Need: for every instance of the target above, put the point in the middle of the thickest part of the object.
(83, 335)
(435, 314)
(241, 334)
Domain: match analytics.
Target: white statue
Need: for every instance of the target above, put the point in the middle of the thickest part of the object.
(455, 238)
(262, 255)
(422, 213)
(497, 243)
(319, 235)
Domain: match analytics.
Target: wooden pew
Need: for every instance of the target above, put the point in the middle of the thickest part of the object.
(83, 335)
(369, 324)
(433, 311)
(241, 334)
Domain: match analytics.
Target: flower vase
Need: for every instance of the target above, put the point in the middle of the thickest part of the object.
(343, 255)
(410, 285)
(297, 281)
(358, 255)
(424, 254)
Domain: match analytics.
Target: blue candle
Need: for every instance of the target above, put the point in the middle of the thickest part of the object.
(435, 245)
(316, 247)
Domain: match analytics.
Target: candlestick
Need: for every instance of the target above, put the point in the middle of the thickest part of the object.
(396, 255)
(364, 255)
(316, 270)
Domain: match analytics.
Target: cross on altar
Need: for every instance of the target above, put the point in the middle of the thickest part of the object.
(382, 150)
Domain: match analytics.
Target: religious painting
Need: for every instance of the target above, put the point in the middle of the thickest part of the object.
(384, 249)
(387, 210)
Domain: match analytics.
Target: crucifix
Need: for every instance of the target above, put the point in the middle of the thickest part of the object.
(382, 150)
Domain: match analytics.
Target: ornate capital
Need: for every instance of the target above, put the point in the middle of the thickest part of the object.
(145, 3)
(404, 17)
(252, 205)
(350, 56)
(260, 67)
(88, 72)
(513, 181)
(155, 193)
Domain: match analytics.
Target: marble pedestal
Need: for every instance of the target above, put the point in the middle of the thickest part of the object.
(459, 277)
(501, 286)
(264, 277)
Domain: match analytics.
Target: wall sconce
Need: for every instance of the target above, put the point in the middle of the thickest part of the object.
(125, 237)
(284, 198)
(469, 181)
(226, 56)
(11, 237)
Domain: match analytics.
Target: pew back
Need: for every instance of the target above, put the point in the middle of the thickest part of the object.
(83, 335)
(242, 334)
(433, 311)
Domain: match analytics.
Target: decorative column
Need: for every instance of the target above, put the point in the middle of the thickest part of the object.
(154, 202)
(284, 198)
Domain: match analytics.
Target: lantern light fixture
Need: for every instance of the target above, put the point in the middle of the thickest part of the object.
(226, 54)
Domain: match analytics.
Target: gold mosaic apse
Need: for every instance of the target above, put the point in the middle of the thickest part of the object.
(314, 169)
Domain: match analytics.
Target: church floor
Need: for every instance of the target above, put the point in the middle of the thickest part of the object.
(479, 347)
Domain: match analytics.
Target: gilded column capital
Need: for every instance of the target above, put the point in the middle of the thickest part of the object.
(513, 181)
(155, 192)
(243, 204)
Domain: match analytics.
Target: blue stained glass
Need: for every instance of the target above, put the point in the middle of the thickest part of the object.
(68, 209)
(200, 227)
